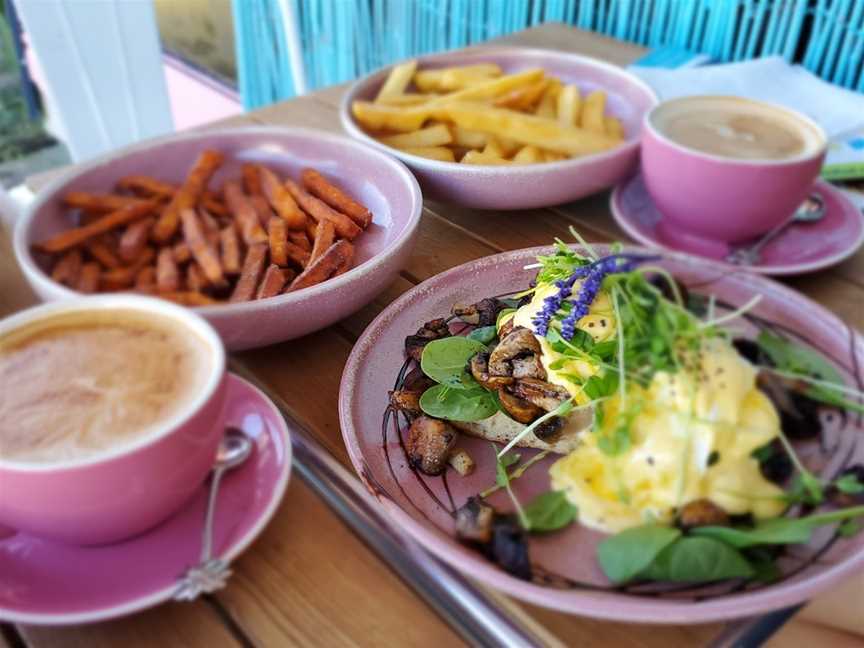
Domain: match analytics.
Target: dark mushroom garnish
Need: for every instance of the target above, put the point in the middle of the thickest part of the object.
(506, 329)
(407, 399)
(702, 512)
(519, 409)
(550, 430)
(474, 521)
(544, 395)
(509, 546)
(479, 368)
(432, 330)
(799, 414)
(749, 350)
(428, 444)
(483, 313)
(518, 351)
(775, 464)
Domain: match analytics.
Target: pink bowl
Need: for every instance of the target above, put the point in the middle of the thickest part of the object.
(380, 182)
(534, 185)
(131, 488)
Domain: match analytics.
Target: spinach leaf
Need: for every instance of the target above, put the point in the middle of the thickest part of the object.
(444, 402)
(792, 357)
(697, 560)
(598, 386)
(445, 360)
(484, 334)
(625, 555)
(849, 484)
(778, 530)
(550, 511)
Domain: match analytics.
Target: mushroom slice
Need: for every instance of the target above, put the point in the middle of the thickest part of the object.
(529, 367)
(483, 313)
(432, 330)
(405, 400)
(519, 345)
(702, 512)
(479, 368)
(540, 393)
(799, 414)
(428, 444)
(550, 430)
(506, 329)
(519, 409)
(474, 521)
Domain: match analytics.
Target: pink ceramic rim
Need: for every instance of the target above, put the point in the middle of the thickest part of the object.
(649, 126)
(35, 273)
(353, 129)
(232, 552)
(141, 303)
(611, 606)
(774, 270)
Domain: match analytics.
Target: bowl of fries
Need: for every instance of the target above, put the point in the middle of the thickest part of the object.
(269, 233)
(504, 127)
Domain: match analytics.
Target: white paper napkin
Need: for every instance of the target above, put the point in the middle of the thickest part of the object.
(770, 79)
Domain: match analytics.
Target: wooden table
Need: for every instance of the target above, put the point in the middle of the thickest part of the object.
(307, 580)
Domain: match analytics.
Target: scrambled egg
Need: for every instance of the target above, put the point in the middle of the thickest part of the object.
(692, 435)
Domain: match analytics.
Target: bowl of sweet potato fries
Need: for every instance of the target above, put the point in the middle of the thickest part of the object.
(270, 233)
(503, 127)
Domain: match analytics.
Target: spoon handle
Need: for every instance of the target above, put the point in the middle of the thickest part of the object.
(750, 255)
(207, 537)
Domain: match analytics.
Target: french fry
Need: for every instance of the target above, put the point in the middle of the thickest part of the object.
(272, 283)
(318, 210)
(300, 239)
(408, 99)
(250, 274)
(528, 155)
(311, 229)
(244, 214)
(614, 127)
(592, 118)
(324, 235)
(281, 200)
(201, 249)
(324, 266)
(440, 153)
(437, 135)
(469, 138)
(147, 187)
(145, 281)
(195, 279)
(319, 186)
(213, 204)
(493, 149)
(188, 195)
(229, 245)
(123, 277)
(207, 220)
(167, 274)
(522, 98)
(100, 203)
(76, 236)
(346, 262)
(548, 104)
(88, 278)
(479, 158)
(396, 118)
(568, 110)
(528, 129)
(455, 78)
(68, 268)
(489, 90)
(187, 298)
(276, 229)
(182, 253)
(262, 209)
(552, 156)
(398, 79)
(101, 251)
(134, 238)
(251, 179)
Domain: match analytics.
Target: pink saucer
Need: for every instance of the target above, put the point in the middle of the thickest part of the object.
(53, 584)
(799, 249)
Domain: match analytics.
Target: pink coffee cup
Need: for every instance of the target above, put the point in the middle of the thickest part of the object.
(708, 200)
(131, 487)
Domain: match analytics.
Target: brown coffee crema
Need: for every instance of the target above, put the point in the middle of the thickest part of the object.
(81, 384)
(735, 128)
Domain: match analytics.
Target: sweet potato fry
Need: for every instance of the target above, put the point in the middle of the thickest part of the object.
(262, 209)
(208, 221)
(311, 229)
(124, 277)
(88, 278)
(347, 262)
(229, 245)
(281, 199)
(76, 236)
(202, 251)
(272, 283)
(319, 186)
(187, 298)
(187, 196)
(146, 279)
(101, 250)
(252, 179)
(300, 239)
(250, 274)
(195, 279)
(68, 268)
(324, 235)
(167, 274)
(276, 229)
(212, 203)
(318, 210)
(324, 266)
(182, 253)
(147, 187)
(99, 203)
(134, 239)
(244, 214)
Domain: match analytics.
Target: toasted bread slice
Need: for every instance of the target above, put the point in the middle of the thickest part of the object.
(500, 428)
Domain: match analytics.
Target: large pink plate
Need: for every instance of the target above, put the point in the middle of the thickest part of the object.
(569, 579)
